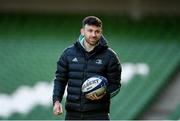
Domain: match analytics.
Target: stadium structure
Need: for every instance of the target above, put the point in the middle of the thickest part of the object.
(144, 33)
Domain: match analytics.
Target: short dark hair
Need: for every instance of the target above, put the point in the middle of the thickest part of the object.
(92, 20)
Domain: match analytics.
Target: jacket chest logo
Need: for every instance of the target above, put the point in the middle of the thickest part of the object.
(99, 61)
(75, 60)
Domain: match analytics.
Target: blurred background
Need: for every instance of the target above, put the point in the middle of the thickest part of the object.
(144, 33)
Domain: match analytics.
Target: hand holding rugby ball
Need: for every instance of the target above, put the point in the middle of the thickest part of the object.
(95, 87)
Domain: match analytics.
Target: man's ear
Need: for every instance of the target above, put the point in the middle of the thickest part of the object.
(82, 31)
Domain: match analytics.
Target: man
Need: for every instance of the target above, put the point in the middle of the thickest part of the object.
(89, 56)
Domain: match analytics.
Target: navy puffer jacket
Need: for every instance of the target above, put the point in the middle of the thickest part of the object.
(76, 65)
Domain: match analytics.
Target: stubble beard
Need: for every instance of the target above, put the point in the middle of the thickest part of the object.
(92, 43)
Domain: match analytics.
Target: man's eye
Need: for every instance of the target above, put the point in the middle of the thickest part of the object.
(90, 30)
(97, 32)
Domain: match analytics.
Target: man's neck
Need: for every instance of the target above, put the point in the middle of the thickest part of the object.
(88, 47)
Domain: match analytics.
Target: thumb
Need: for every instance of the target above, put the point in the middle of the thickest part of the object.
(60, 109)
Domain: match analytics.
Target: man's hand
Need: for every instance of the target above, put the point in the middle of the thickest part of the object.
(94, 96)
(57, 109)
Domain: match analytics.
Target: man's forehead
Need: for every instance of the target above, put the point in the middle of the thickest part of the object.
(92, 27)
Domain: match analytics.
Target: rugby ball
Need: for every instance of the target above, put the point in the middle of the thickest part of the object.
(95, 84)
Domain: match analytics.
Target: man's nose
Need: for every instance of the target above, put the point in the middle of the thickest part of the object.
(93, 34)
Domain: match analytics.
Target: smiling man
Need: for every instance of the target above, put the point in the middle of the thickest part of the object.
(89, 56)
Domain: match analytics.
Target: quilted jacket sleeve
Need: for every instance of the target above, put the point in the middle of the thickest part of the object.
(114, 75)
(60, 80)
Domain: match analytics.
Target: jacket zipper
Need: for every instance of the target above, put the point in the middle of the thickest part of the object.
(84, 77)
